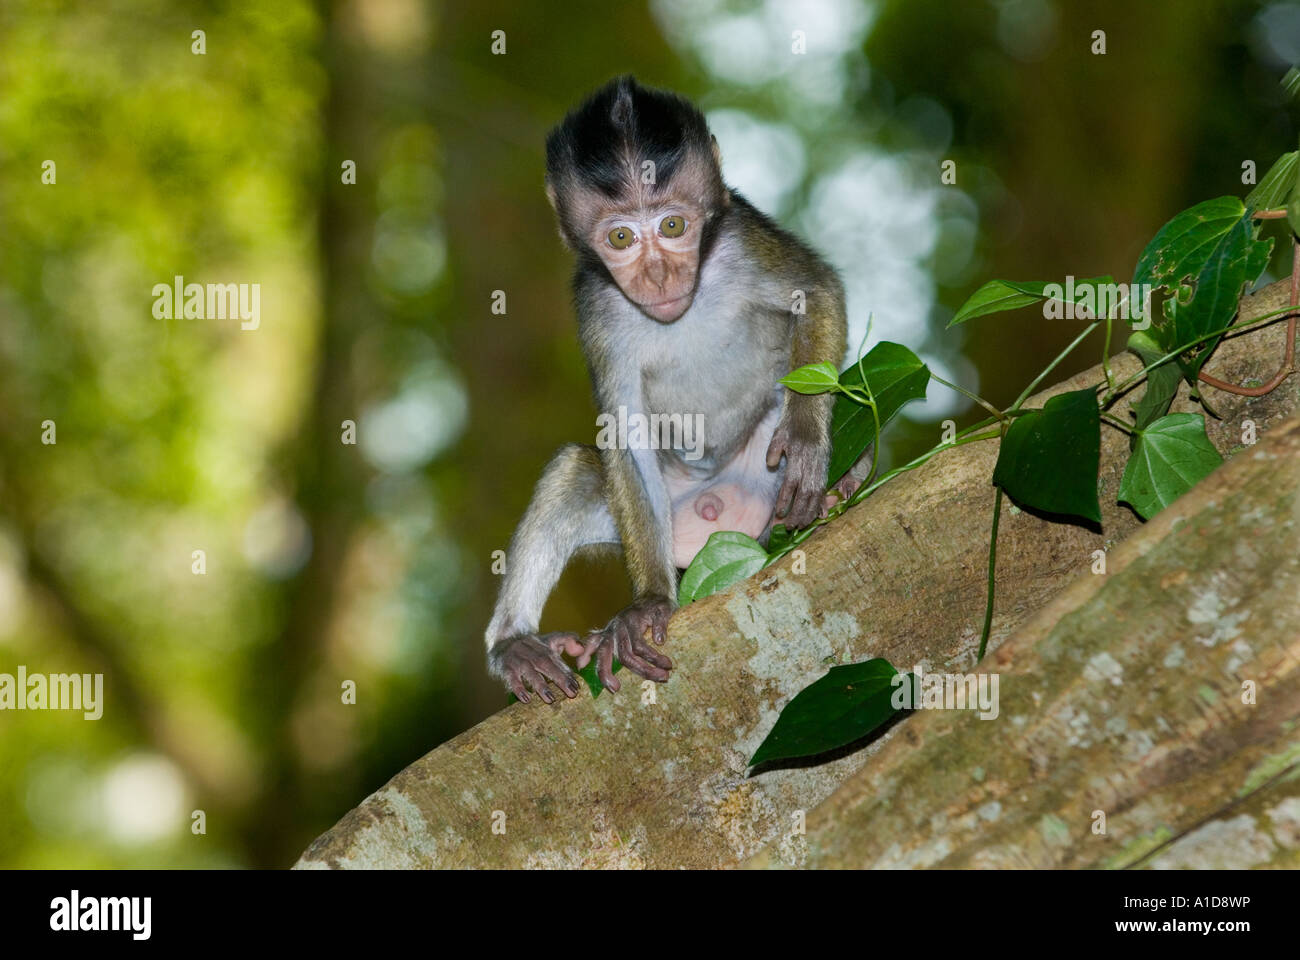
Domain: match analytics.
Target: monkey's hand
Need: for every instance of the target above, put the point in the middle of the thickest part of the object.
(624, 637)
(803, 491)
(530, 659)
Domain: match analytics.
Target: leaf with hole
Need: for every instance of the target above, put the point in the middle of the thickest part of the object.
(1236, 260)
(1183, 245)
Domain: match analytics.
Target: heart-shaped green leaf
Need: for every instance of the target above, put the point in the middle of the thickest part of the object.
(1049, 457)
(998, 295)
(846, 704)
(1172, 456)
(895, 375)
(812, 378)
(726, 558)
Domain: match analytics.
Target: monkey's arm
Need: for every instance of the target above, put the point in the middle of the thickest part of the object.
(803, 434)
(635, 495)
(567, 512)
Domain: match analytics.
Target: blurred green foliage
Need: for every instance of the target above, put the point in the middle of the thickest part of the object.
(329, 563)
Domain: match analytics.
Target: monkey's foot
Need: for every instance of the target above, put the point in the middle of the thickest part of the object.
(840, 491)
(624, 637)
(530, 659)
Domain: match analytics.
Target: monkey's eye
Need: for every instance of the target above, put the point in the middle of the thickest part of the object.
(620, 238)
(672, 226)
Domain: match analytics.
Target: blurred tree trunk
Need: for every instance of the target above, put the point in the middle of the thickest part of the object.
(618, 781)
(328, 473)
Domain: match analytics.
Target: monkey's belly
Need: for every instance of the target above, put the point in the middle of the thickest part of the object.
(722, 506)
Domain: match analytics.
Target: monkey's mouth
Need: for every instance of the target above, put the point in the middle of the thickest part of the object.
(668, 310)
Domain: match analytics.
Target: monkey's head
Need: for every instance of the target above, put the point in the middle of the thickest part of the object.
(635, 178)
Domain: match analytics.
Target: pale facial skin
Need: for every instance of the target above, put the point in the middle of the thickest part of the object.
(653, 255)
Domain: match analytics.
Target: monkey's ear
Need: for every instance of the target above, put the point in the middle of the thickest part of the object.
(553, 198)
(717, 165)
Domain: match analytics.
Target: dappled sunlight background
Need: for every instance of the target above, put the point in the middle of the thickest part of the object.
(328, 563)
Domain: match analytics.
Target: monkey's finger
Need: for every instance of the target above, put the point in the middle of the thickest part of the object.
(659, 627)
(775, 450)
(634, 660)
(830, 501)
(847, 486)
(647, 652)
(555, 671)
(590, 647)
(784, 498)
(564, 643)
(605, 667)
(517, 687)
(806, 507)
(534, 680)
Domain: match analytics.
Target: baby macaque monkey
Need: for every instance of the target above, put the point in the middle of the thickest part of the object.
(691, 306)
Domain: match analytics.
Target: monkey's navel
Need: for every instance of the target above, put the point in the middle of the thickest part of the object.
(709, 506)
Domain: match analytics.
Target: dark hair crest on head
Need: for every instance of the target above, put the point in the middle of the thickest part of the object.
(606, 139)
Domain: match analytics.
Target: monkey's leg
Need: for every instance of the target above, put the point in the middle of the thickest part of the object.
(848, 484)
(638, 499)
(567, 512)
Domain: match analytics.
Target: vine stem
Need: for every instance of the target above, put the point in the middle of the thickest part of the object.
(962, 390)
(1052, 366)
(1117, 423)
(1105, 351)
(1112, 395)
(993, 561)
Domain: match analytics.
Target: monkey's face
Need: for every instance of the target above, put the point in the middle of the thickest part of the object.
(653, 254)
